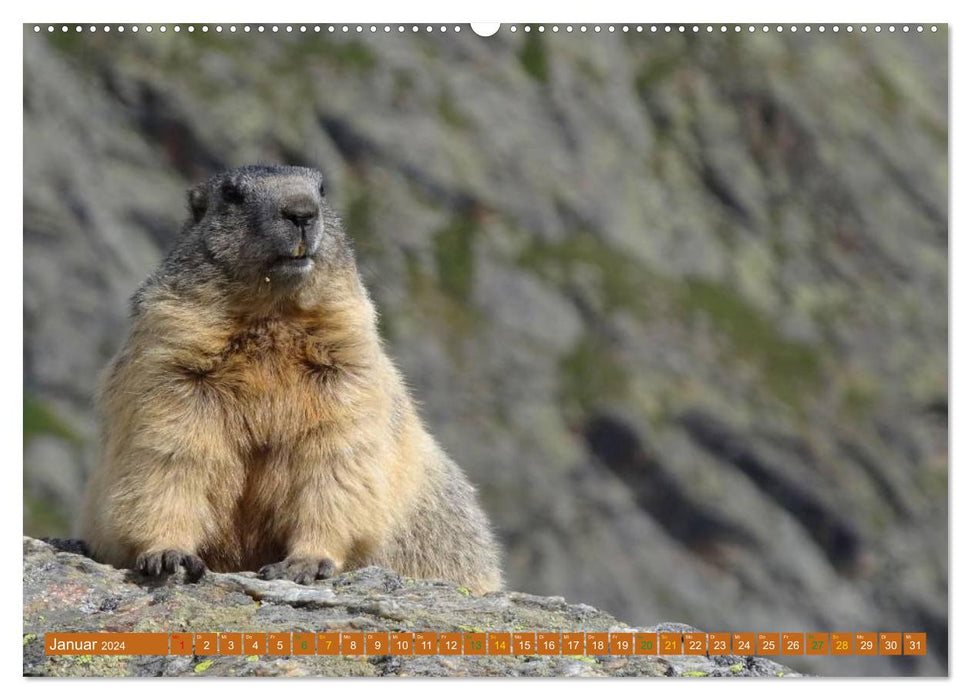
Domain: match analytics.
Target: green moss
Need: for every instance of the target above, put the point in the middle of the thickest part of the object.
(694, 674)
(590, 373)
(624, 283)
(459, 321)
(590, 72)
(890, 96)
(28, 638)
(584, 659)
(358, 217)
(203, 666)
(150, 625)
(454, 247)
(658, 66)
(790, 368)
(70, 42)
(450, 113)
(358, 221)
(41, 419)
(936, 129)
(42, 519)
(252, 657)
(210, 41)
(736, 668)
(859, 397)
(349, 55)
(533, 56)
(463, 590)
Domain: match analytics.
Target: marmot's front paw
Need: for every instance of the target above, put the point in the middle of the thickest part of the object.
(303, 570)
(167, 561)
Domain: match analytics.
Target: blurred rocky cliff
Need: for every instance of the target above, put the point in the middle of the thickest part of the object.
(678, 304)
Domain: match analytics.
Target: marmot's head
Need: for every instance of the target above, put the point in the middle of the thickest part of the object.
(267, 226)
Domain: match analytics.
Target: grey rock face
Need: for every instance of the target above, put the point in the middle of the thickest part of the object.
(678, 304)
(64, 591)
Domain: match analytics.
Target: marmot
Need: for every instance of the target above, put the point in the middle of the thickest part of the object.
(253, 421)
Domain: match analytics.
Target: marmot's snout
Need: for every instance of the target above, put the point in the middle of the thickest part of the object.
(299, 210)
(302, 238)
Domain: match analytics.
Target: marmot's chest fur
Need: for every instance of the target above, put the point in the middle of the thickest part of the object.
(286, 395)
(279, 379)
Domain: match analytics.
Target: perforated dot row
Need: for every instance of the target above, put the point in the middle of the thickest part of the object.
(246, 28)
(428, 28)
(725, 28)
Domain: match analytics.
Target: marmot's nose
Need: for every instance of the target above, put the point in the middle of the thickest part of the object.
(300, 211)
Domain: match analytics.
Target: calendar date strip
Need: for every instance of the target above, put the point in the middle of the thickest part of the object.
(486, 643)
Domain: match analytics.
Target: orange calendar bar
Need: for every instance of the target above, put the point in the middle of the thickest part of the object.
(670, 643)
(450, 643)
(207, 643)
(426, 643)
(767, 643)
(328, 644)
(254, 643)
(230, 643)
(793, 643)
(402, 643)
(106, 643)
(621, 643)
(548, 643)
(278, 643)
(496, 643)
(573, 643)
(695, 643)
(865, 643)
(891, 643)
(817, 643)
(645, 643)
(598, 643)
(352, 643)
(305, 643)
(523, 643)
(719, 643)
(180, 643)
(743, 643)
(475, 643)
(915, 644)
(377, 643)
(500, 643)
(841, 643)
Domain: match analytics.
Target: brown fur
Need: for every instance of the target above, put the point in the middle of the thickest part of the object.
(249, 430)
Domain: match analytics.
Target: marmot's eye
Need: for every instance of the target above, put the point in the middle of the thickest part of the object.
(232, 193)
(321, 189)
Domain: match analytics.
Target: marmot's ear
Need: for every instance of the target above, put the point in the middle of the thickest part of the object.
(198, 202)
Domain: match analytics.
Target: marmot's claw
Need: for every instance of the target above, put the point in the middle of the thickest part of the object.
(168, 561)
(302, 570)
(194, 567)
(326, 569)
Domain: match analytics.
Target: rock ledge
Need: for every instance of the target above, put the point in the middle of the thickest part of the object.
(66, 591)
